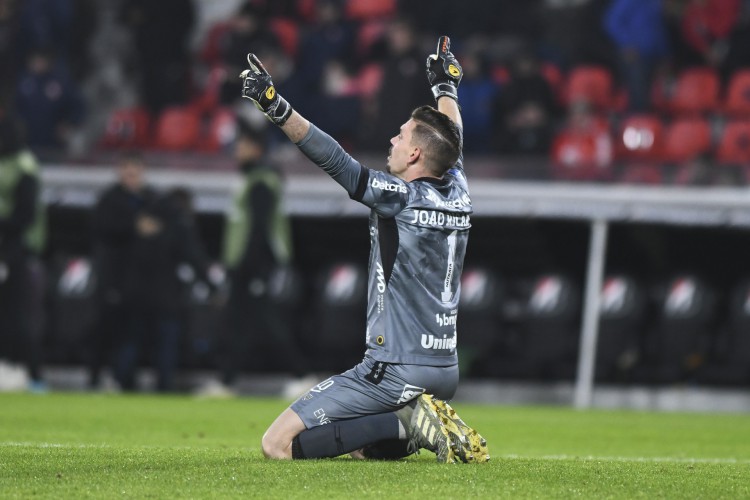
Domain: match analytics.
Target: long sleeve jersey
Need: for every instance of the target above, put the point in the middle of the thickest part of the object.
(418, 236)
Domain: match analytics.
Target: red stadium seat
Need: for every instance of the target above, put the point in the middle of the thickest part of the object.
(370, 9)
(640, 137)
(583, 154)
(737, 100)
(220, 131)
(590, 83)
(127, 128)
(696, 91)
(177, 129)
(685, 139)
(288, 33)
(734, 145)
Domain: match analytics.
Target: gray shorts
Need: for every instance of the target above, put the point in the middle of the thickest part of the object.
(373, 387)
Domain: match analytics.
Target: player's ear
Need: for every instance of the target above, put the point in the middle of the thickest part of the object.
(415, 155)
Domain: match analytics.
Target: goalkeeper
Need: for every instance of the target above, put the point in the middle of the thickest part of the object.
(392, 403)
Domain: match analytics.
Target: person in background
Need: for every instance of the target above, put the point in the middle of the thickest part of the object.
(48, 102)
(116, 220)
(162, 33)
(478, 91)
(22, 239)
(639, 32)
(257, 240)
(402, 86)
(155, 293)
(525, 109)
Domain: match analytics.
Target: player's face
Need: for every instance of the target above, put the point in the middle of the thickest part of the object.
(402, 150)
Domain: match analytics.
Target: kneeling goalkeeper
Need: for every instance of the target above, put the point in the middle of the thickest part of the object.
(392, 403)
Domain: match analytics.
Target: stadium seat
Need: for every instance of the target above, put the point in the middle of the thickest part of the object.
(127, 128)
(370, 9)
(177, 129)
(734, 144)
(729, 362)
(287, 32)
(678, 344)
(479, 321)
(640, 137)
(548, 343)
(686, 138)
(737, 98)
(220, 131)
(696, 91)
(590, 83)
(622, 313)
(583, 154)
(73, 308)
(336, 338)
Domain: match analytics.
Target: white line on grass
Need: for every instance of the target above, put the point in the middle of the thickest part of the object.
(588, 458)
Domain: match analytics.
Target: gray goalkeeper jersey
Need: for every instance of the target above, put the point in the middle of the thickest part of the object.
(418, 236)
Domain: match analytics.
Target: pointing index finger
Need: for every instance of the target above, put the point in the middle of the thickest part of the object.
(444, 45)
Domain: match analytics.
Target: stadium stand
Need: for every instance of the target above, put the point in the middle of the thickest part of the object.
(592, 84)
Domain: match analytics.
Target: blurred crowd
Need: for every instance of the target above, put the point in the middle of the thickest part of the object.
(85, 76)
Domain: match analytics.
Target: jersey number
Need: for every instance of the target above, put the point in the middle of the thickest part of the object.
(447, 294)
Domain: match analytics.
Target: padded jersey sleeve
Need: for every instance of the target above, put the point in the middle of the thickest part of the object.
(382, 192)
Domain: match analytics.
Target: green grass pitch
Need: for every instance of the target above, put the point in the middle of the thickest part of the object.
(112, 446)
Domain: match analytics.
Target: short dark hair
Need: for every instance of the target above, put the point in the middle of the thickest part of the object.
(439, 138)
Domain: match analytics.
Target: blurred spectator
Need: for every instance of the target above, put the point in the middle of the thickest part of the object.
(325, 64)
(525, 110)
(154, 292)
(402, 86)
(8, 50)
(22, 239)
(706, 28)
(639, 32)
(571, 33)
(738, 55)
(48, 101)
(582, 149)
(229, 42)
(477, 95)
(162, 39)
(114, 240)
(257, 240)
(45, 23)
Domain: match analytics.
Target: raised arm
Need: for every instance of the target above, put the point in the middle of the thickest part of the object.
(444, 74)
(318, 146)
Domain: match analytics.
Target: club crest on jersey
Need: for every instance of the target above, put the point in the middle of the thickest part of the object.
(270, 93)
(387, 186)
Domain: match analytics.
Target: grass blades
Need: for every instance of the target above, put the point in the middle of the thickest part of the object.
(97, 446)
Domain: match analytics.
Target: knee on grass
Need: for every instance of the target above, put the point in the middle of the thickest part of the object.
(275, 449)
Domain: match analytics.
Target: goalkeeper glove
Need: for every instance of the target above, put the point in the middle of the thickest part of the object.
(258, 87)
(443, 71)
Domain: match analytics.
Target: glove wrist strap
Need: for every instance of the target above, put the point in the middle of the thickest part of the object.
(279, 112)
(445, 89)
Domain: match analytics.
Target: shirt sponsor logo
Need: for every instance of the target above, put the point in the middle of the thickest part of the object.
(439, 202)
(446, 319)
(430, 342)
(435, 218)
(387, 186)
